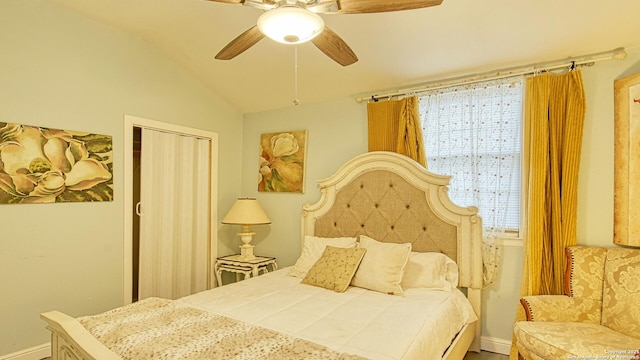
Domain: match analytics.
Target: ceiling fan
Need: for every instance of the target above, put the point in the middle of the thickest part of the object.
(297, 21)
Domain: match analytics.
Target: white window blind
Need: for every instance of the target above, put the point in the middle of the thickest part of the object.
(473, 133)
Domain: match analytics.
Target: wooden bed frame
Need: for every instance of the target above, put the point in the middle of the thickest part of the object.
(383, 195)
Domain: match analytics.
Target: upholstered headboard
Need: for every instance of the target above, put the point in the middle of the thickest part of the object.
(391, 198)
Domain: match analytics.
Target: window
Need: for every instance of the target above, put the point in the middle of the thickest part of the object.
(473, 133)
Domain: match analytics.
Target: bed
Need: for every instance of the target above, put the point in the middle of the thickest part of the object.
(383, 244)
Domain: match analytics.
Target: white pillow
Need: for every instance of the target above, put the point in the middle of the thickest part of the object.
(382, 267)
(313, 248)
(430, 270)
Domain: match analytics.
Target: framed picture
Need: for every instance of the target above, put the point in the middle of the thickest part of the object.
(626, 230)
(282, 160)
(44, 165)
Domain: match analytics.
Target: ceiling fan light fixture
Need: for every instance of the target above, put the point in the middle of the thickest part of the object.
(290, 24)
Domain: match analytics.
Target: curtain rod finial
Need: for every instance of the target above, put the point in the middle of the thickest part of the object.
(619, 54)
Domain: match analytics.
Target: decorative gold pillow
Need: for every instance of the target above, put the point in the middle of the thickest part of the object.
(335, 268)
(312, 249)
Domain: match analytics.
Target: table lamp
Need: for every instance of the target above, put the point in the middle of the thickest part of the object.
(246, 212)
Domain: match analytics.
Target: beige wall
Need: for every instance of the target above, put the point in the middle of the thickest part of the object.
(60, 70)
(337, 131)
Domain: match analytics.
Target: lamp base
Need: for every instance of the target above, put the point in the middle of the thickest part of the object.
(246, 252)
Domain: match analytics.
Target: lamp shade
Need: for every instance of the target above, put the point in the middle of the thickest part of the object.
(290, 24)
(246, 211)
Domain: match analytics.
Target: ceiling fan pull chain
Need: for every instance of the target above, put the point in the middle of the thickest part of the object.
(295, 75)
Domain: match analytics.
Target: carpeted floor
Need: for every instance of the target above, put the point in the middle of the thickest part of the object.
(484, 355)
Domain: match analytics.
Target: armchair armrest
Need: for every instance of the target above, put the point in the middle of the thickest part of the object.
(561, 308)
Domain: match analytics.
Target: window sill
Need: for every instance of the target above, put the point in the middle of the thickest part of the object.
(510, 241)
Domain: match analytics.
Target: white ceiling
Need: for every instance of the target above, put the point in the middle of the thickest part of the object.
(395, 49)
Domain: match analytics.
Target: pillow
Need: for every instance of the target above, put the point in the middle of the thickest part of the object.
(312, 250)
(382, 266)
(430, 270)
(335, 268)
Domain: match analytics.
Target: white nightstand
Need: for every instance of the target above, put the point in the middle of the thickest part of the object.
(249, 268)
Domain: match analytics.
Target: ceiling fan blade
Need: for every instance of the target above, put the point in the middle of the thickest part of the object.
(258, 4)
(229, 1)
(238, 45)
(334, 47)
(376, 6)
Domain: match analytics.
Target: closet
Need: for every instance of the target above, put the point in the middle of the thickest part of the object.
(170, 203)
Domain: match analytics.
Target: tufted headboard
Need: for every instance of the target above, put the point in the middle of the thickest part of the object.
(391, 198)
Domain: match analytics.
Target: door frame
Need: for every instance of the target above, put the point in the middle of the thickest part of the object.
(130, 122)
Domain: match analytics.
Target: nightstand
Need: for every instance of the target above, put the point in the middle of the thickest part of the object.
(249, 268)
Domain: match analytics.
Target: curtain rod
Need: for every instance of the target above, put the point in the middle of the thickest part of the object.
(532, 69)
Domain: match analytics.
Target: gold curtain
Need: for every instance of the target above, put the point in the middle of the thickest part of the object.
(394, 125)
(553, 125)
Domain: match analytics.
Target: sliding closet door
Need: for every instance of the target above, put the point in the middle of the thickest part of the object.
(174, 224)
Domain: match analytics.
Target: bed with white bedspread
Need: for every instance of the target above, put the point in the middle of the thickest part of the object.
(384, 252)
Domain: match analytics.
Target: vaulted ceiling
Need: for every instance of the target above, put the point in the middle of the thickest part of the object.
(394, 49)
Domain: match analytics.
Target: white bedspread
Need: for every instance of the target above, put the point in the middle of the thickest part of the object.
(419, 325)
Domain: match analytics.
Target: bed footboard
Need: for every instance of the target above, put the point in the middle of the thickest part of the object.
(71, 341)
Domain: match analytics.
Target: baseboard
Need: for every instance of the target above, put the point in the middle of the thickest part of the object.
(34, 353)
(495, 345)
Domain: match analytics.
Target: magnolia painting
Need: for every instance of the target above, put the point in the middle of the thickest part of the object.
(42, 165)
(282, 157)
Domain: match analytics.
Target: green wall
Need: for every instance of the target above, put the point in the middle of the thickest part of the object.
(61, 70)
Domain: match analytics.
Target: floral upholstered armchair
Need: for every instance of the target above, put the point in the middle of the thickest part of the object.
(597, 318)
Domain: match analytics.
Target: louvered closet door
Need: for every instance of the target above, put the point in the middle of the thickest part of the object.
(174, 226)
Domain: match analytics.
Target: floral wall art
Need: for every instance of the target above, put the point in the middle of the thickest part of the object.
(42, 165)
(282, 157)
